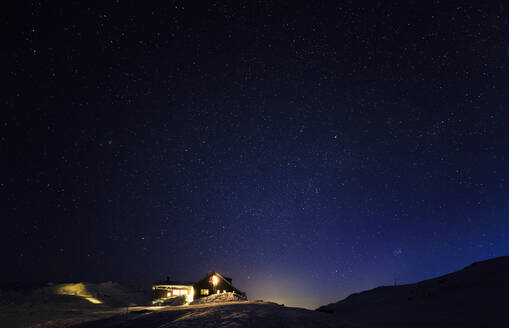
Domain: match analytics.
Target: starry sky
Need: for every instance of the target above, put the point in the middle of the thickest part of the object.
(306, 149)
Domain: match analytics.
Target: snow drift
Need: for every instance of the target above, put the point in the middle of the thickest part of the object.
(173, 301)
(220, 298)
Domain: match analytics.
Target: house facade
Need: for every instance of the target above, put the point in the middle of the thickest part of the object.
(169, 289)
(212, 283)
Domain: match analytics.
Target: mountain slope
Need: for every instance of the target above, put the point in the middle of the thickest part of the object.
(473, 297)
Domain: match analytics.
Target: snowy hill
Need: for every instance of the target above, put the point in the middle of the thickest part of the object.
(473, 297)
(83, 305)
(232, 314)
(55, 305)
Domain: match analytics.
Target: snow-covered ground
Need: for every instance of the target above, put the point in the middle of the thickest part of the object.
(231, 314)
(105, 305)
(58, 305)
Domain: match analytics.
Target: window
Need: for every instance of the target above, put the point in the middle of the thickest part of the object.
(168, 294)
(176, 292)
(204, 292)
(183, 292)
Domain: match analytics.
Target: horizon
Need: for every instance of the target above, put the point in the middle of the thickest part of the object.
(307, 151)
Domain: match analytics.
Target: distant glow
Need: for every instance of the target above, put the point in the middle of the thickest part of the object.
(215, 280)
(78, 289)
(168, 294)
(93, 300)
(176, 292)
(183, 292)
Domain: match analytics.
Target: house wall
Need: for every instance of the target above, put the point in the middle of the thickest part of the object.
(161, 291)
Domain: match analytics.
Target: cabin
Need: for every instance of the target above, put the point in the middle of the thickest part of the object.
(169, 288)
(212, 283)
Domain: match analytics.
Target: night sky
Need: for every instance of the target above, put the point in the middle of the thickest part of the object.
(308, 150)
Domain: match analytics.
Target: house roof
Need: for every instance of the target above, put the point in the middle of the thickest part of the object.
(174, 282)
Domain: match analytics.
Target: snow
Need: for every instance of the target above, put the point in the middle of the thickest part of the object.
(220, 298)
(231, 314)
(47, 307)
(174, 301)
(57, 305)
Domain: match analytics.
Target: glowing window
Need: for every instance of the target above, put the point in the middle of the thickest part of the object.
(168, 294)
(204, 292)
(183, 292)
(176, 292)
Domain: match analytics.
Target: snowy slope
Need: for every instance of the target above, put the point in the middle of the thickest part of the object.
(232, 314)
(67, 305)
(53, 305)
(473, 297)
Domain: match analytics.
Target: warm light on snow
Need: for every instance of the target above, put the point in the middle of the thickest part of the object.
(77, 289)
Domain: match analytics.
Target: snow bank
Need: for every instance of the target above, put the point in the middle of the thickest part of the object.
(220, 298)
(173, 301)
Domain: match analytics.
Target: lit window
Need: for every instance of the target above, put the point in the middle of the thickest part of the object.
(204, 292)
(176, 292)
(183, 292)
(168, 294)
(218, 291)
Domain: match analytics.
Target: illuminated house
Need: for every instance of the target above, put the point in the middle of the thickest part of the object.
(169, 289)
(212, 283)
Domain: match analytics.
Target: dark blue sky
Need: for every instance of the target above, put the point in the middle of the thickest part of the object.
(306, 150)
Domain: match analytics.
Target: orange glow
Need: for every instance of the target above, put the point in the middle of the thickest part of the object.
(77, 289)
(215, 280)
